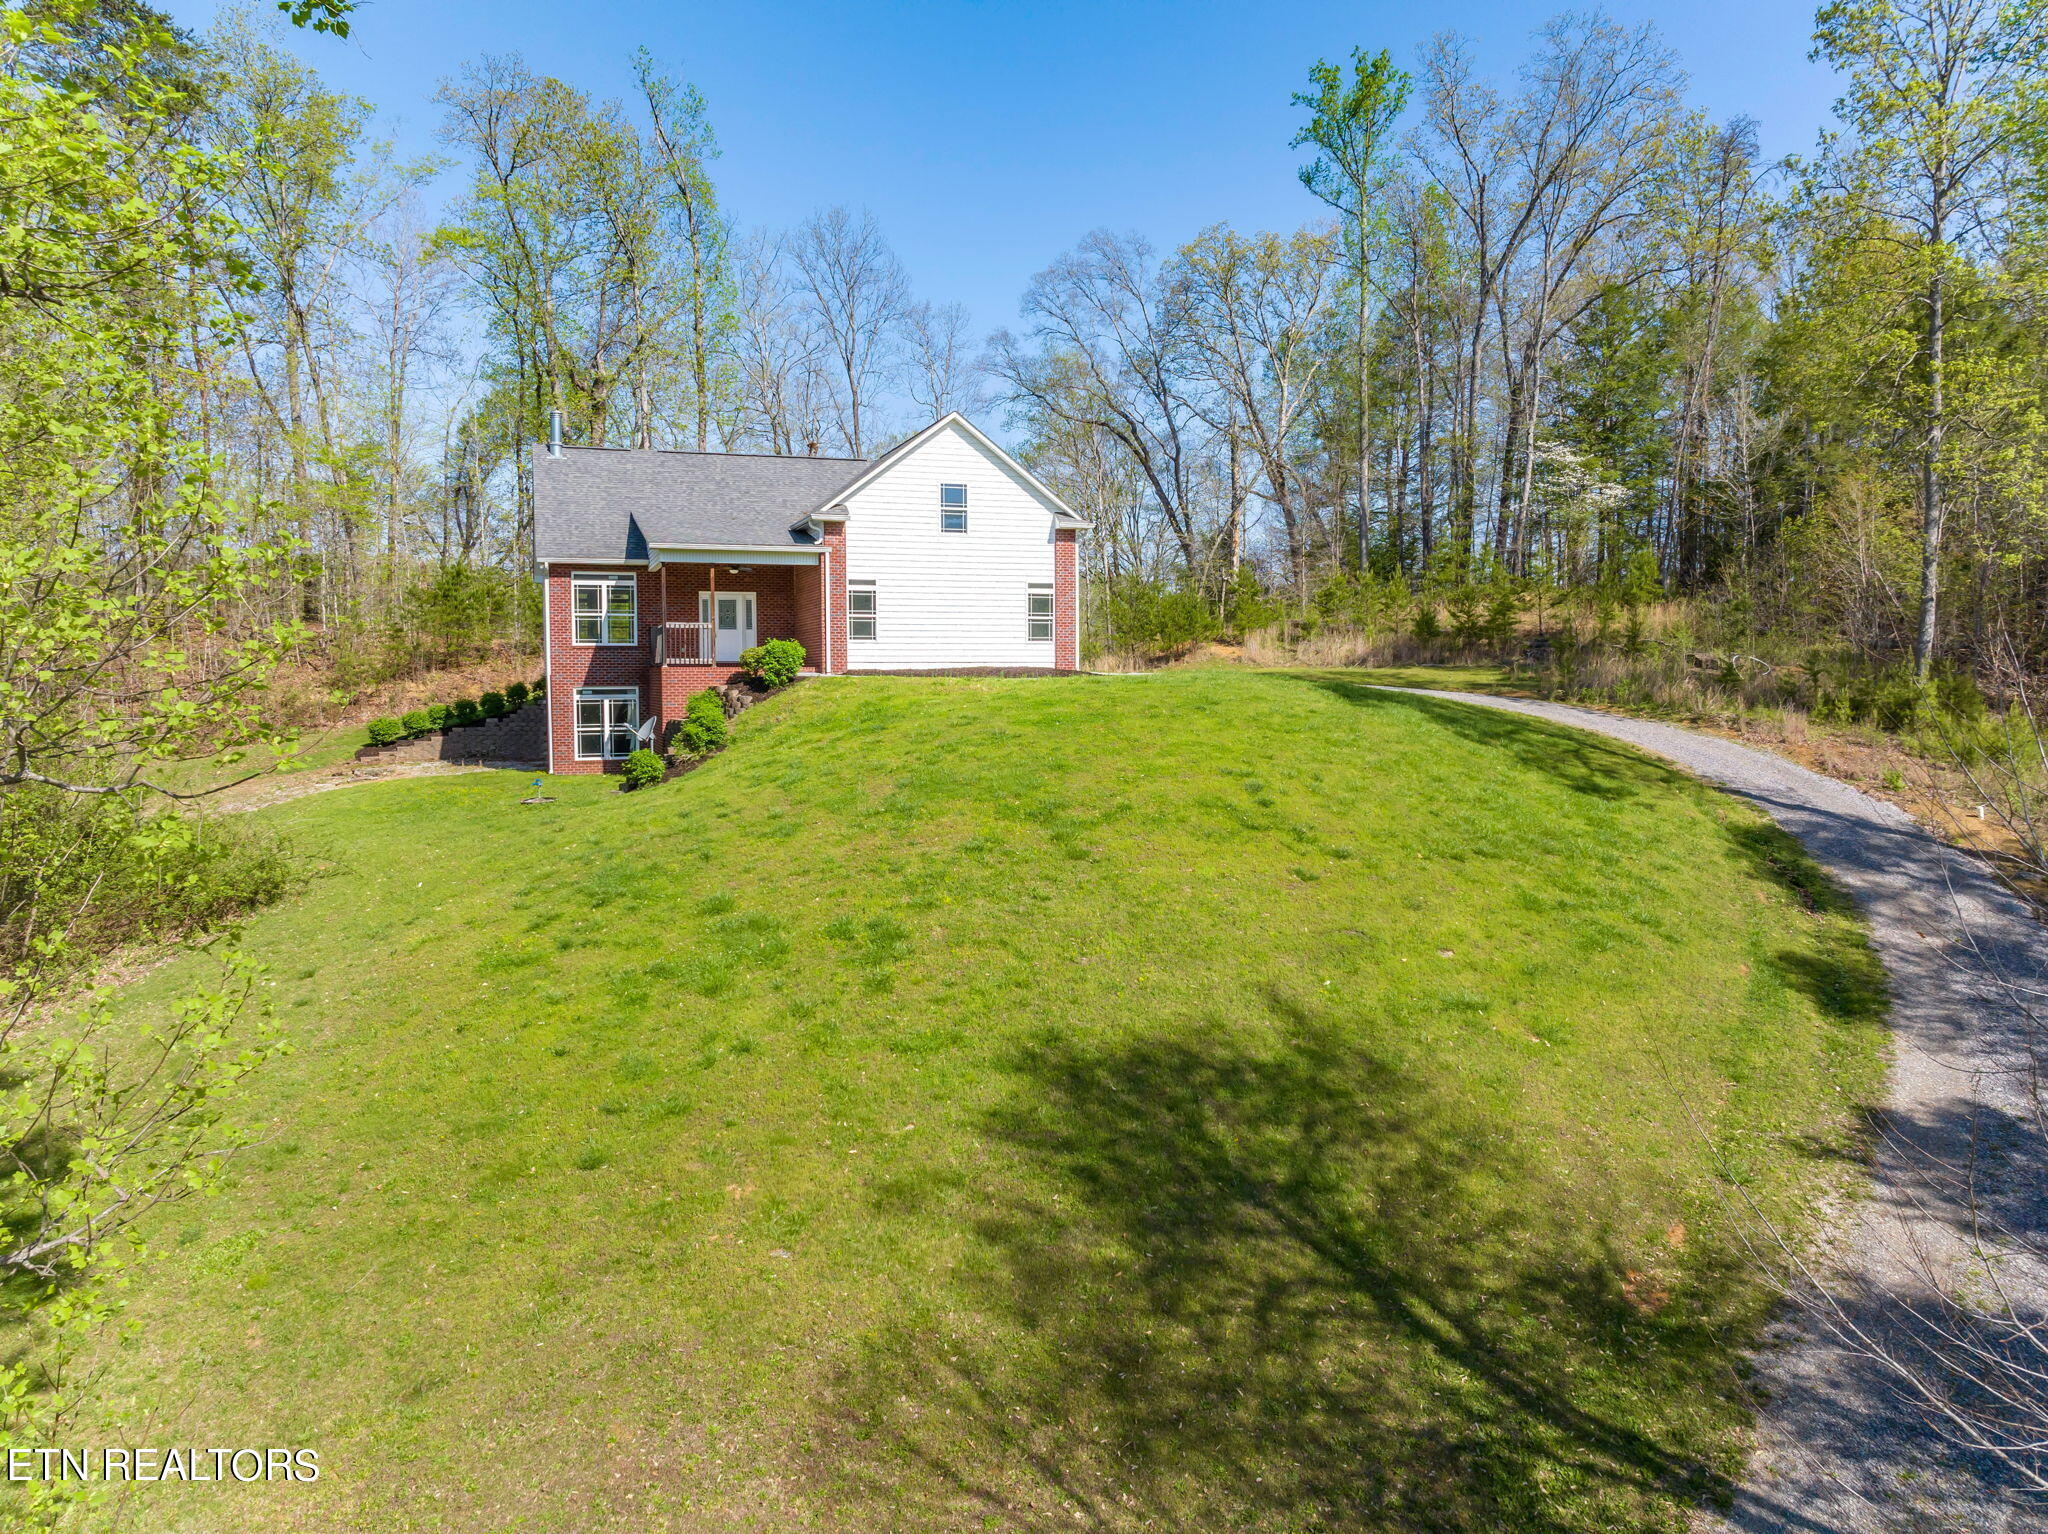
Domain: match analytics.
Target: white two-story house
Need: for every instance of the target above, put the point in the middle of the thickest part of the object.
(662, 567)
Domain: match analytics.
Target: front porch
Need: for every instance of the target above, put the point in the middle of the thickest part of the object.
(704, 615)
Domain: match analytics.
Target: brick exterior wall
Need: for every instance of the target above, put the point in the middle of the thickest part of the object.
(785, 596)
(571, 665)
(674, 687)
(807, 627)
(1066, 599)
(835, 570)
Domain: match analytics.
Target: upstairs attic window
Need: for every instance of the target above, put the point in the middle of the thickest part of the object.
(952, 508)
(603, 607)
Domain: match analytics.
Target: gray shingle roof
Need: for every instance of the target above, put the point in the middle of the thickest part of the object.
(612, 503)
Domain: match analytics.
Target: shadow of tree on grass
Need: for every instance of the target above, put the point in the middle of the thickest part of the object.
(1585, 763)
(1840, 972)
(1269, 1281)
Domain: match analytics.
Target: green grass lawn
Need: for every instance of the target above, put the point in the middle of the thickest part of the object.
(1212, 1100)
(1439, 678)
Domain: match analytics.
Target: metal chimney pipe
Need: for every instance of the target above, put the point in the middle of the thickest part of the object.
(554, 434)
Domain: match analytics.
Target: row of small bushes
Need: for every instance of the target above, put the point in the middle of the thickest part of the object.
(421, 722)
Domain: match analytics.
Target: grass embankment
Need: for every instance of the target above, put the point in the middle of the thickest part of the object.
(1980, 788)
(1208, 1100)
(312, 751)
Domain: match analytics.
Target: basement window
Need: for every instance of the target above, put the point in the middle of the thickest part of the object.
(952, 508)
(604, 608)
(860, 612)
(607, 719)
(1038, 613)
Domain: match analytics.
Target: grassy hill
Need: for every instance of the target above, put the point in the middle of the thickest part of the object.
(1198, 1101)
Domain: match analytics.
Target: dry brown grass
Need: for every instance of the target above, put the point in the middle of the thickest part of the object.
(1275, 647)
(304, 693)
(1353, 647)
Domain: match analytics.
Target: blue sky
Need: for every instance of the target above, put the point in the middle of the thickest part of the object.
(987, 137)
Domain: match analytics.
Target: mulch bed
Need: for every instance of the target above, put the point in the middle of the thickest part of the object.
(692, 763)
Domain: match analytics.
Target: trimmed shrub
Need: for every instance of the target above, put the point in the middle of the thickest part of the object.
(440, 715)
(643, 769)
(493, 705)
(774, 664)
(417, 723)
(704, 727)
(386, 732)
(539, 687)
(465, 711)
(515, 695)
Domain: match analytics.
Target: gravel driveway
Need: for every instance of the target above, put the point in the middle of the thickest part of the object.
(1839, 1450)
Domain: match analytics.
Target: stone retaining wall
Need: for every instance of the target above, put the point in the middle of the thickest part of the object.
(521, 736)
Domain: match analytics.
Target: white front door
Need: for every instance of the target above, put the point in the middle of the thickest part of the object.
(731, 616)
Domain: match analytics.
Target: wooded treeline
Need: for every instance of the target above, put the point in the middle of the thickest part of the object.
(1568, 333)
(1555, 332)
(390, 365)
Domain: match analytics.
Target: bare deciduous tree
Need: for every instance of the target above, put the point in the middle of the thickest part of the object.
(1110, 354)
(945, 372)
(1552, 166)
(1255, 310)
(858, 295)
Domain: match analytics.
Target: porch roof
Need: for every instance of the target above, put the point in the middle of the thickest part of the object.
(801, 553)
(634, 504)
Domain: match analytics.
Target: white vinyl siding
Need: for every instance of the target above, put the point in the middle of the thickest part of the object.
(952, 599)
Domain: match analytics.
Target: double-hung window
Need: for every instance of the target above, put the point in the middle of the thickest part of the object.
(952, 508)
(607, 722)
(604, 608)
(1038, 612)
(860, 610)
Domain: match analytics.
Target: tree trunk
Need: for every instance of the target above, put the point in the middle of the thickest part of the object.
(1933, 512)
(1364, 407)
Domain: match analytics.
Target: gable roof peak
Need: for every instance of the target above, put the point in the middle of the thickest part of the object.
(1063, 514)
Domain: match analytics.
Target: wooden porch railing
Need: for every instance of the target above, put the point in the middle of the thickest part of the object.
(683, 644)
